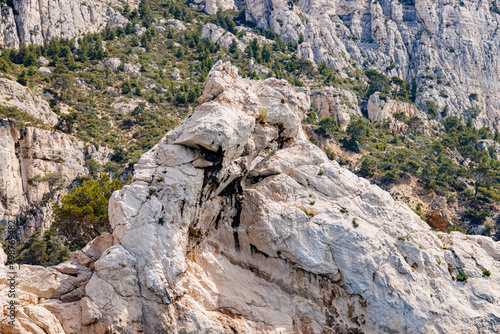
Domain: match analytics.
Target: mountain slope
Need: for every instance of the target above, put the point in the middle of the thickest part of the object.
(448, 47)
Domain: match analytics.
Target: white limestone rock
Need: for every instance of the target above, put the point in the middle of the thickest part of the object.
(489, 145)
(29, 155)
(259, 69)
(234, 222)
(176, 24)
(337, 103)
(45, 70)
(422, 40)
(218, 35)
(176, 74)
(383, 110)
(112, 63)
(13, 94)
(212, 6)
(132, 69)
(38, 21)
(43, 61)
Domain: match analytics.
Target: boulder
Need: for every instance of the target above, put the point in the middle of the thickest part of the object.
(176, 74)
(45, 70)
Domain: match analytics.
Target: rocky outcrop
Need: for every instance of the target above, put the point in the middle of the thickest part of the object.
(36, 164)
(490, 146)
(449, 48)
(37, 21)
(394, 114)
(212, 6)
(234, 222)
(13, 94)
(218, 35)
(337, 103)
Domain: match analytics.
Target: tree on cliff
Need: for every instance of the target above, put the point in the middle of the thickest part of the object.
(82, 214)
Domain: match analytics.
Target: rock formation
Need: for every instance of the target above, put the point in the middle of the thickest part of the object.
(217, 35)
(36, 21)
(337, 103)
(13, 94)
(31, 156)
(234, 222)
(394, 114)
(449, 48)
(28, 155)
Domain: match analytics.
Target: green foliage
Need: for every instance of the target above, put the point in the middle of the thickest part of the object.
(311, 117)
(378, 82)
(46, 250)
(455, 227)
(367, 167)
(461, 277)
(432, 109)
(82, 214)
(54, 181)
(418, 210)
(23, 78)
(18, 116)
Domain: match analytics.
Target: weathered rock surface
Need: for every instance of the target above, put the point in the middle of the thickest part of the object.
(37, 164)
(36, 21)
(234, 222)
(491, 147)
(28, 155)
(176, 24)
(112, 63)
(43, 61)
(133, 69)
(337, 103)
(13, 94)
(218, 35)
(212, 6)
(449, 47)
(176, 74)
(259, 69)
(45, 70)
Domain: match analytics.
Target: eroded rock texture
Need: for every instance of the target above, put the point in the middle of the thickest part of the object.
(37, 163)
(36, 21)
(235, 223)
(450, 48)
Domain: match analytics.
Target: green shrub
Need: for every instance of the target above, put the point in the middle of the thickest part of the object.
(82, 215)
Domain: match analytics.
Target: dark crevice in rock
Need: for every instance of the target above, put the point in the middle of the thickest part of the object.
(210, 179)
(234, 192)
(255, 250)
(217, 220)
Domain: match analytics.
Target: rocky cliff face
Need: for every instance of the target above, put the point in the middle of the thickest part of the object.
(37, 163)
(234, 222)
(28, 156)
(34, 21)
(448, 47)
(337, 103)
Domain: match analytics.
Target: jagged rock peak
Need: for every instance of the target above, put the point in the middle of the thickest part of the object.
(234, 222)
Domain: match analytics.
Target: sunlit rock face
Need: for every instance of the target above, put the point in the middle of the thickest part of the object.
(447, 49)
(234, 222)
(37, 21)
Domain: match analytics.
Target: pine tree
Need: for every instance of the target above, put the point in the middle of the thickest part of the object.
(23, 78)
